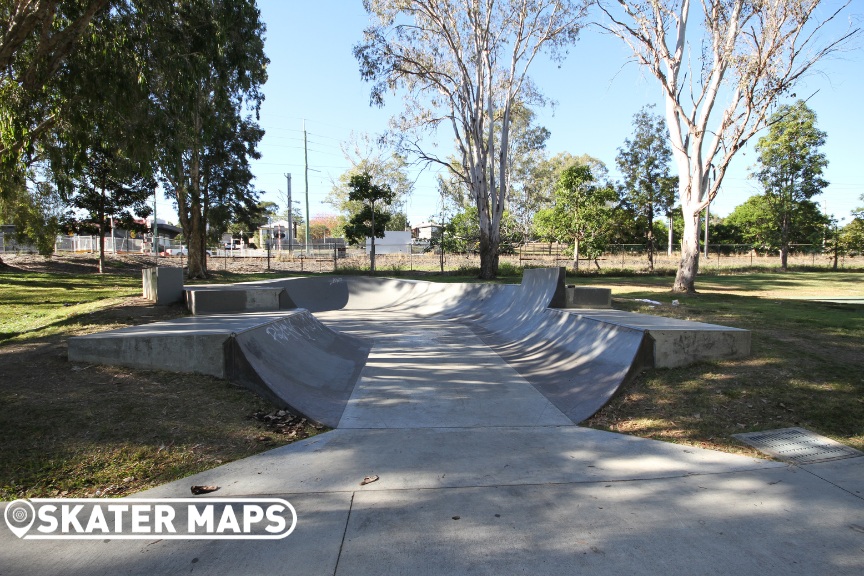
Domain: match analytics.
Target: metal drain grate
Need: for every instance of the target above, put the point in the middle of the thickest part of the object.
(797, 445)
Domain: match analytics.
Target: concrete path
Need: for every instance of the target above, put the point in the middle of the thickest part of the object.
(481, 474)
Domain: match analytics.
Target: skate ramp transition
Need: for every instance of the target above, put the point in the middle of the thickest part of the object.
(297, 361)
(576, 362)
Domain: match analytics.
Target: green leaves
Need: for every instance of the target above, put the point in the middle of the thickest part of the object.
(368, 222)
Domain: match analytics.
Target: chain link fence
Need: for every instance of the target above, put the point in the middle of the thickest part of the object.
(333, 255)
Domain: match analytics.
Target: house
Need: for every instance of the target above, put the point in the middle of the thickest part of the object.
(426, 231)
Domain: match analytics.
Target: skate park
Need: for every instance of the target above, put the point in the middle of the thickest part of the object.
(464, 402)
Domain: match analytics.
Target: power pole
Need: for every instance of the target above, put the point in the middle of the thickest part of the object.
(290, 218)
(155, 231)
(306, 178)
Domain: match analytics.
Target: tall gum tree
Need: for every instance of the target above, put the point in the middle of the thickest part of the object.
(464, 64)
(205, 66)
(748, 54)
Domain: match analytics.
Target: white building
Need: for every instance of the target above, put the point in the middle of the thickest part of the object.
(392, 243)
(426, 230)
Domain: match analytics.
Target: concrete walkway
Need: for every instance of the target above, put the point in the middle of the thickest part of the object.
(481, 474)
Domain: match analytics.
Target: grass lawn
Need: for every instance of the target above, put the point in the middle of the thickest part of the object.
(77, 430)
(806, 367)
(84, 430)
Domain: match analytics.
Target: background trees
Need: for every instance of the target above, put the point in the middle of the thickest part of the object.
(385, 167)
(644, 163)
(464, 64)
(790, 171)
(107, 93)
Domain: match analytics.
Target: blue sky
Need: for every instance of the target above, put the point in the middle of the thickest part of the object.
(313, 76)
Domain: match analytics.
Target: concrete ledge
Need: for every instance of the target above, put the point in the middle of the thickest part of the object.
(588, 297)
(676, 342)
(224, 299)
(163, 285)
(191, 345)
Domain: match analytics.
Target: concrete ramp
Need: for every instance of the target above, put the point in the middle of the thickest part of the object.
(297, 361)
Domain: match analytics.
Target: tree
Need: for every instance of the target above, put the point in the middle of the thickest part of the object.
(36, 210)
(205, 65)
(36, 37)
(750, 55)
(368, 222)
(326, 225)
(581, 213)
(101, 153)
(384, 166)
(790, 168)
(644, 163)
(464, 64)
(527, 153)
(852, 234)
(757, 224)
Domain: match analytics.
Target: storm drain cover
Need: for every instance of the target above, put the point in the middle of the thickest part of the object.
(797, 445)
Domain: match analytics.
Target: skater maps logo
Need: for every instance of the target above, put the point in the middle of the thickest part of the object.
(141, 518)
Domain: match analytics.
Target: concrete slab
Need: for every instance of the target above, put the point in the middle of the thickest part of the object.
(428, 373)
(761, 522)
(847, 475)
(426, 458)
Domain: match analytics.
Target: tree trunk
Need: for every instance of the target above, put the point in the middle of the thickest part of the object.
(576, 254)
(785, 226)
(669, 243)
(685, 279)
(372, 251)
(651, 240)
(488, 255)
(102, 233)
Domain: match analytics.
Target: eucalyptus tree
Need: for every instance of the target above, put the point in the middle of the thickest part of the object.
(205, 65)
(719, 92)
(464, 64)
(36, 36)
(644, 163)
(101, 153)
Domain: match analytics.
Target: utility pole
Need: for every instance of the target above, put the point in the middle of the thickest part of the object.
(290, 217)
(155, 231)
(306, 178)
